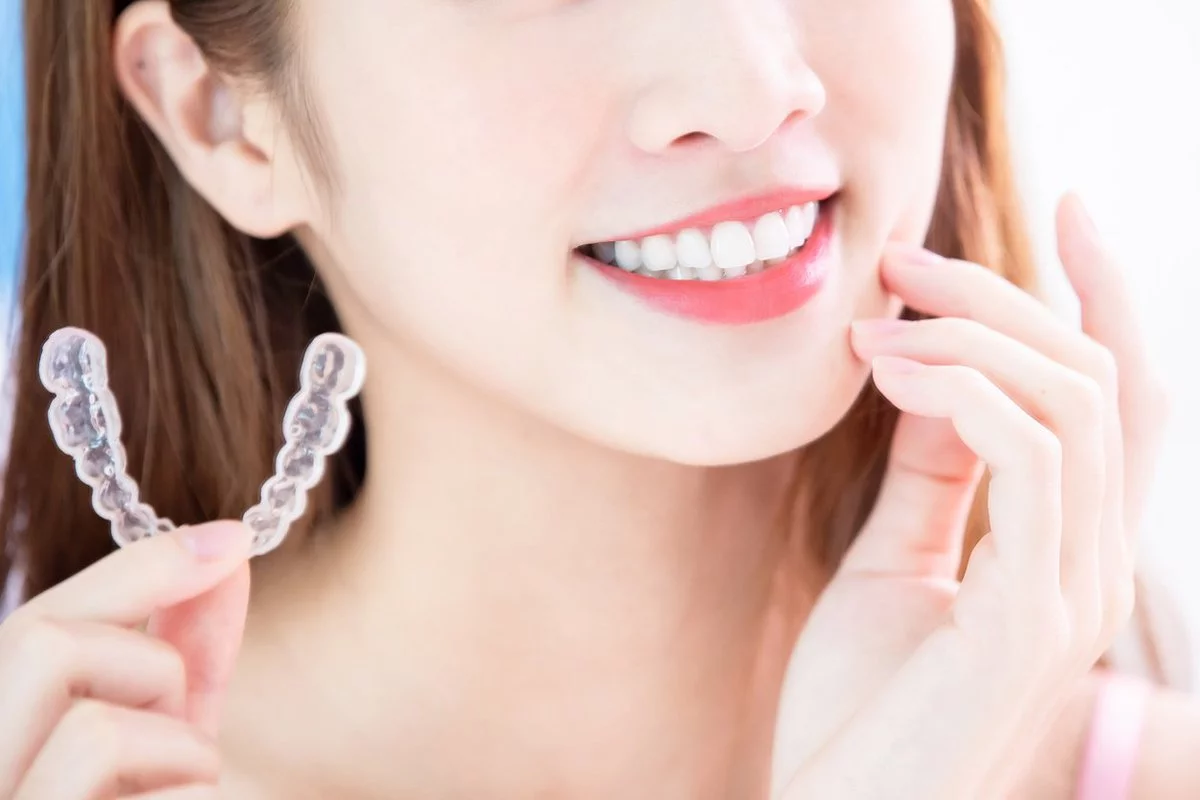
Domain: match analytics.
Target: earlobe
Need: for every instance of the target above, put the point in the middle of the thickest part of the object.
(200, 118)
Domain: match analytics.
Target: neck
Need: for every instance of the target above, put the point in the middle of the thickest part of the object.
(505, 601)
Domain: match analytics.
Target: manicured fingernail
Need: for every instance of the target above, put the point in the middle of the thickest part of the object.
(912, 254)
(216, 540)
(895, 365)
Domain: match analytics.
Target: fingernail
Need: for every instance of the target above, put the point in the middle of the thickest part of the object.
(913, 254)
(216, 540)
(896, 365)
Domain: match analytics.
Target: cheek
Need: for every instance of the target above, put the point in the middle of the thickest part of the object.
(460, 178)
(890, 62)
(888, 71)
(491, 129)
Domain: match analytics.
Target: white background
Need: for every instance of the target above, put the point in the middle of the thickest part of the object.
(1104, 100)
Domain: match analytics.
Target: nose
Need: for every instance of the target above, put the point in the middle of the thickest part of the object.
(729, 70)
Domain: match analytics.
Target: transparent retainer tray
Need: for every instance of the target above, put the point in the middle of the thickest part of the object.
(86, 425)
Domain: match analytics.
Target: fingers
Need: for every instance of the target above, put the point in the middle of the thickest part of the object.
(916, 526)
(128, 586)
(1068, 403)
(950, 288)
(100, 750)
(1024, 457)
(946, 287)
(45, 666)
(76, 641)
(207, 632)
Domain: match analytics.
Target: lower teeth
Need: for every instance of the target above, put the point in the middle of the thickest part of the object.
(712, 273)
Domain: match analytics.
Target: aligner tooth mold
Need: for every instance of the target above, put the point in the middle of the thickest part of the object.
(315, 426)
(87, 426)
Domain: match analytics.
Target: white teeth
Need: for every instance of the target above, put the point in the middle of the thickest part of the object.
(658, 253)
(628, 256)
(692, 248)
(732, 245)
(800, 221)
(771, 237)
(730, 250)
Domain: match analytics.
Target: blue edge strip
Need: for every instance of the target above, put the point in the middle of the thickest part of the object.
(12, 152)
(12, 189)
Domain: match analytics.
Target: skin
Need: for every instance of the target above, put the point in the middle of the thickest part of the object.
(560, 579)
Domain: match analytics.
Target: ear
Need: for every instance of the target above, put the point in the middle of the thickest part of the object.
(226, 139)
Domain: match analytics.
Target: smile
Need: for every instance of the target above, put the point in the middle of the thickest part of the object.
(731, 272)
(725, 251)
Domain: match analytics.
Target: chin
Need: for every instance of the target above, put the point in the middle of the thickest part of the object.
(718, 437)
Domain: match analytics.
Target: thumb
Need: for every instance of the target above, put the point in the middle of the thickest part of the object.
(917, 524)
(207, 632)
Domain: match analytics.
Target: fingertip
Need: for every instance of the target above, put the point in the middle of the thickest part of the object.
(906, 258)
(1072, 203)
(1084, 254)
(912, 253)
(1075, 224)
(216, 541)
(893, 377)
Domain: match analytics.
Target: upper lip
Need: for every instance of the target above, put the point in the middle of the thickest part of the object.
(746, 209)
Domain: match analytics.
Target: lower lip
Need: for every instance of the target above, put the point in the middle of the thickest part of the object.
(775, 292)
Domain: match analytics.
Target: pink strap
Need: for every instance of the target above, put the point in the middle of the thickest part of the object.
(1112, 747)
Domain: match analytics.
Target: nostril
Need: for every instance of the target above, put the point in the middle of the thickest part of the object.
(795, 118)
(693, 137)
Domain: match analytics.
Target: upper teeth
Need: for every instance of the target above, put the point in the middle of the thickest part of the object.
(731, 247)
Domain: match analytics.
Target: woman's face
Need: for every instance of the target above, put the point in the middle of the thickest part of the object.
(484, 146)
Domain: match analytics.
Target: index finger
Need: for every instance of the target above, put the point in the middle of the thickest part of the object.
(126, 587)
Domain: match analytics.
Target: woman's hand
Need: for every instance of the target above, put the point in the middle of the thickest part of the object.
(96, 709)
(906, 683)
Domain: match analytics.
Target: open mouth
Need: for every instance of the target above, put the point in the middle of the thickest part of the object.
(726, 251)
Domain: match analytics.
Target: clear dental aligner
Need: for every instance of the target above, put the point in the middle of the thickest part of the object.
(86, 425)
(315, 426)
